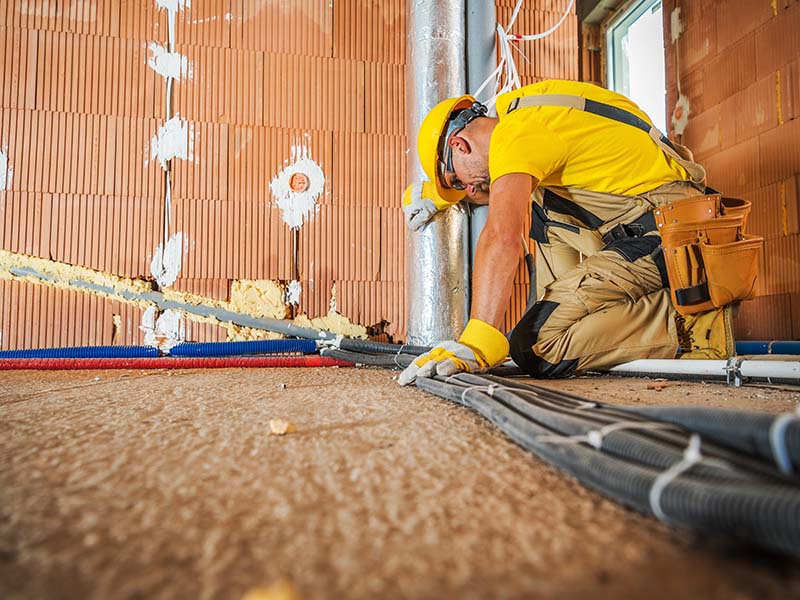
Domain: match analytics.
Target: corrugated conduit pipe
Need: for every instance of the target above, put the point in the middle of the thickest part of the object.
(759, 512)
(227, 362)
(83, 352)
(245, 347)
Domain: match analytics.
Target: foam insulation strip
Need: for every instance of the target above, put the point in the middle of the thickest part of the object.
(140, 293)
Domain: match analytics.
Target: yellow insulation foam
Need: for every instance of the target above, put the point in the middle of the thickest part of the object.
(261, 298)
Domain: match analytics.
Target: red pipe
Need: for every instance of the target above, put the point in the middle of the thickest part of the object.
(214, 362)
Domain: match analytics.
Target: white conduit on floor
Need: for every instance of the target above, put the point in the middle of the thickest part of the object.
(764, 369)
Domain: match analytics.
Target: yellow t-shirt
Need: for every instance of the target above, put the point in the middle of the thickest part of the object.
(568, 147)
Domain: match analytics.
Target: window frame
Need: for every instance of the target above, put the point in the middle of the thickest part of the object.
(613, 30)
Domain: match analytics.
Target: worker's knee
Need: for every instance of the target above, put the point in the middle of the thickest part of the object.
(526, 334)
(539, 367)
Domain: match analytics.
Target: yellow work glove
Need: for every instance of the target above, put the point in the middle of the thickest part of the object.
(421, 202)
(479, 348)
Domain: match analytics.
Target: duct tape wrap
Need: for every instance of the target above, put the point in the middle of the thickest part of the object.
(437, 265)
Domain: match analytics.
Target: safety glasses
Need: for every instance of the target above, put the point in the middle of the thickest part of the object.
(455, 125)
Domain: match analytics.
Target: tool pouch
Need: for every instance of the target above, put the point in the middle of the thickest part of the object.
(710, 261)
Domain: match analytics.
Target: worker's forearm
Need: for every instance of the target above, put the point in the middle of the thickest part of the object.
(496, 260)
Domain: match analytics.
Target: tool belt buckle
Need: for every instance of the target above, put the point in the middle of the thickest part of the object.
(618, 232)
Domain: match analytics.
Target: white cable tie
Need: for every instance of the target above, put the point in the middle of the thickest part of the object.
(777, 441)
(691, 456)
(595, 437)
(489, 389)
(584, 405)
(464, 393)
(396, 356)
(333, 344)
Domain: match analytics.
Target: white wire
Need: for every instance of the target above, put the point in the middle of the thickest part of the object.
(505, 76)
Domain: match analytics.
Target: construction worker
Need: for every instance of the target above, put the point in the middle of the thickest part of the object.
(597, 169)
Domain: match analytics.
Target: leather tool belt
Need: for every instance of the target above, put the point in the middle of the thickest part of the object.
(711, 262)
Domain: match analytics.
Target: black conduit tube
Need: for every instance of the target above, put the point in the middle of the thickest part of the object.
(381, 360)
(765, 514)
(599, 410)
(629, 444)
(744, 430)
(380, 347)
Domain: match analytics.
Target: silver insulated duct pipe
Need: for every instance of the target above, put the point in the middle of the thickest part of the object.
(437, 265)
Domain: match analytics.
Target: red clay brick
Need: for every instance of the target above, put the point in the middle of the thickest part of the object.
(778, 42)
(702, 134)
(731, 71)
(737, 18)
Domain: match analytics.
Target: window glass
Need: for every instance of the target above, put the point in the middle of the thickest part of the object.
(635, 43)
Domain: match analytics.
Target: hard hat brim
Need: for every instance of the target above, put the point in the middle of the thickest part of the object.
(430, 134)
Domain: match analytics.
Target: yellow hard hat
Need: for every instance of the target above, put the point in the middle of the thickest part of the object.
(428, 143)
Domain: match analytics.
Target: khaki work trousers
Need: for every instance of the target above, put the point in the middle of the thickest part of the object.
(612, 307)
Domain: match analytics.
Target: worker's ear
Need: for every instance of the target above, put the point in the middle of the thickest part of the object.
(459, 144)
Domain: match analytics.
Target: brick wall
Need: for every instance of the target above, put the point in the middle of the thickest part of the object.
(79, 106)
(738, 64)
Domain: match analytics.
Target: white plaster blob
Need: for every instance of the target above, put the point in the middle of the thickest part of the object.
(163, 331)
(175, 139)
(675, 26)
(296, 207)
(6, 172)
(172, 7)
(680, 115)
(293, 291)
(166, 63)
(166, 263)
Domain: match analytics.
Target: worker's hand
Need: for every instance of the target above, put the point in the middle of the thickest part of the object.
(421, 202)
(417, 208)
(479, 348)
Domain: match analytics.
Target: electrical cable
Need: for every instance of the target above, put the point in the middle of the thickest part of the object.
(757, 512)
(645, 441)
(61, 364)
(83, 352)
(747, 431)
(359, 358)
(245, 347)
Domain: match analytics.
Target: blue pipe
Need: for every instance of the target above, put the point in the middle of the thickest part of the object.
(236, 348)
(83, 352)
(775, 347)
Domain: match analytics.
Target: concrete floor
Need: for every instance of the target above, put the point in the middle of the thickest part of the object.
(129, 484)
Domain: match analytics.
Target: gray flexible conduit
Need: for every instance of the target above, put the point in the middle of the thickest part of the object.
(380, 347)
(744, 430)
(605, 413)
(379, 360)
(763, 513)
(640, 446)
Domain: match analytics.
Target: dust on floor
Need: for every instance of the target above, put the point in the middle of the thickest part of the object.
(168, 484)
